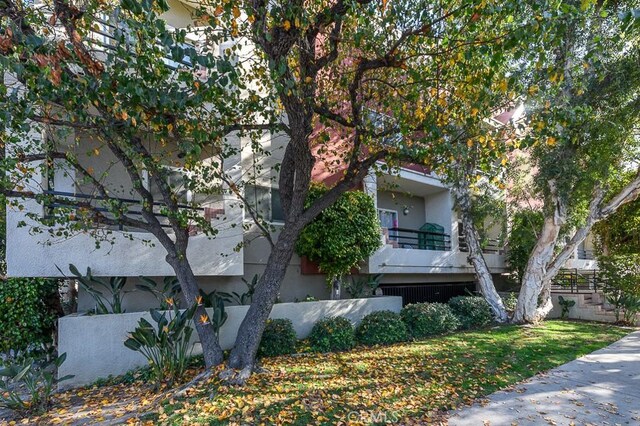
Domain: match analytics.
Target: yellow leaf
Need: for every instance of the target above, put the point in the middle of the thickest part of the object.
(96, 151)
(236, 12)
(286, 25)
(551, 141)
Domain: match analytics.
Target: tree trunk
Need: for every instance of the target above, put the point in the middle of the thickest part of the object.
(211, 350)
(476, 257)
(536, 276)
(243, 354)
(546, 305)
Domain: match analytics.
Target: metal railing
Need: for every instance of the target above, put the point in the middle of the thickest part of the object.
(575, 281)
(133, 206)
(584, 254)
(489, 245)
(420, 240)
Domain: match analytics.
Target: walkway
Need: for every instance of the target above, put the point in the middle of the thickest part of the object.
(602, 388)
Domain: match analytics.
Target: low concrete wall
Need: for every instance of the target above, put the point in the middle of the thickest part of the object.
(95, 344)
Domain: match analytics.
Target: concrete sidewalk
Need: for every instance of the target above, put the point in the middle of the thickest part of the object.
(602, 388)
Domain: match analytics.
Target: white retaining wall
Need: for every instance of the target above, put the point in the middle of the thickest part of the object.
(95, 344)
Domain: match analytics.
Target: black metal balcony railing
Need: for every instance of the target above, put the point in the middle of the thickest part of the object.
(574, 281)
(490, 245)
(584, 254)
(420, 240)
(133, 206)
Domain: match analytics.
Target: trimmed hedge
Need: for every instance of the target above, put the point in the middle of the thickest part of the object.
(381, 328)
(472, 311)
(278, 338)
(332, 334)
(429, 319)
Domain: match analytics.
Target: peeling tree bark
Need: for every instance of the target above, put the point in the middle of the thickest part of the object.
(476, 257)
(535, 273)
(544, 265)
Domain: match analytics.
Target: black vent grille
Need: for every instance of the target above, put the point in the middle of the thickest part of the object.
(418, 293)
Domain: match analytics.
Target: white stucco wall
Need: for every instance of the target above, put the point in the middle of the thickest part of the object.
(38, 255)
(390, 260)
(95, 344)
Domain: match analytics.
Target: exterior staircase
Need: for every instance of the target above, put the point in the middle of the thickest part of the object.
(589, 307)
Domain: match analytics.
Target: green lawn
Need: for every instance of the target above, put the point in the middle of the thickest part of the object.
(411, 383)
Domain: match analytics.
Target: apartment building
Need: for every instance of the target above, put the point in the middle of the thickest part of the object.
(423, 256)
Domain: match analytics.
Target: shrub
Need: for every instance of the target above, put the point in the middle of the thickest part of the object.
(429, 319)
(343, 235)
(36, 378)
(26, 320)
(381, 328)
(167, 346)
(278, 338)
(472, 311)
(621, 277)
(566, 304)
(332, 335)
(510, 302)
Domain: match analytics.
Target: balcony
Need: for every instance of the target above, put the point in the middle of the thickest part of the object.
(489, 245)
(585, 254)
(418, 239)
(120, 251)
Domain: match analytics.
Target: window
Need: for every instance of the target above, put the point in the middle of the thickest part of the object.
(389, 220)
(265, 201)
(387, 125)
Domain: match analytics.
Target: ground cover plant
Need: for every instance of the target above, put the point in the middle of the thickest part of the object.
(413, 381)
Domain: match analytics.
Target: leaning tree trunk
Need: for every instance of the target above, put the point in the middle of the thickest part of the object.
(177, 258)
(243, 355)
(476, 257)
(546, 305)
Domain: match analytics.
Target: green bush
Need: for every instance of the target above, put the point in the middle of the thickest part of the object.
(429, 319)
(27, 321)
(381, 328)
(278, 338)
(510, 302)
(621, 278)
(332, 335)
(343, 235)
(472, 311)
